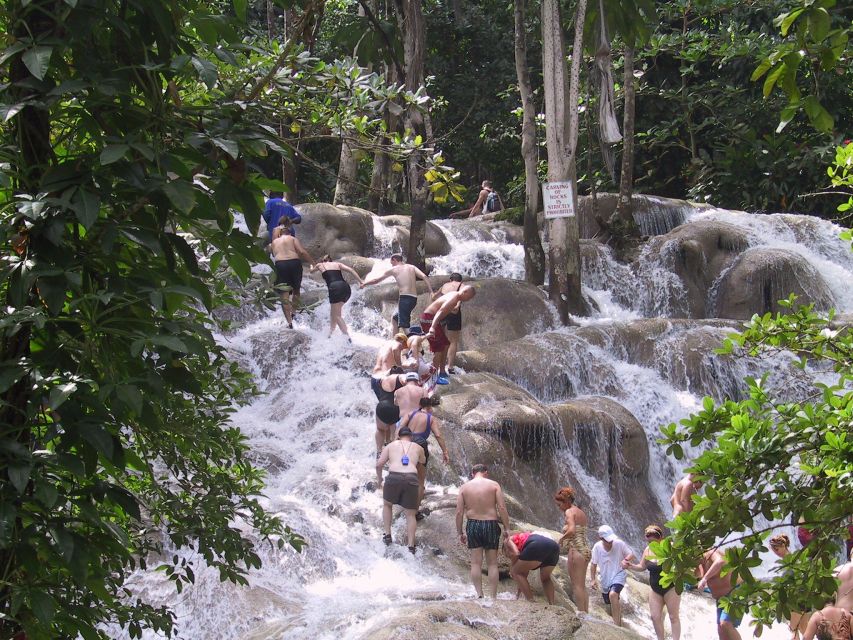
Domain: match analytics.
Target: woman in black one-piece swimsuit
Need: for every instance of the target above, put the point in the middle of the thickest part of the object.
(339, 291)
(659, 596)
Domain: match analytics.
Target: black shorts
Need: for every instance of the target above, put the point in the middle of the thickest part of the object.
(453, 321)
(401, 489)
(289, 272)
(424, 445)
(387, 412)
(339, 292)
(605, 595)
(484, 534)
(540, 549)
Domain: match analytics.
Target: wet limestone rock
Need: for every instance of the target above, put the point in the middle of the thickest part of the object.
(697, 253)
(503, 310)
(435, 242)
(338, 231)
(762, 276)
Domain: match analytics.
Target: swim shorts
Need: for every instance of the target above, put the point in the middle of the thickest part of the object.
(484, 534)
(339, 292)
(387, 412)
(722, 615)
(542, 550)
(401, 489)
(289, 272)
(453, 321)
(439, 341)
(405, 305)
(613, 587)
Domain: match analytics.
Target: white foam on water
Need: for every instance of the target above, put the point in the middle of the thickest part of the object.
(313, 430)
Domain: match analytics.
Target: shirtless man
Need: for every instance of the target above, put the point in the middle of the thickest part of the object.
(423, 424)
(406, 276)
(713, 563)
(390, 355)
(844, 597)
(288, 254)
(453, 320)
(401, 486)
(413, 357)
(481, 500)
(682, 496)
(408, 397)
(431, 323)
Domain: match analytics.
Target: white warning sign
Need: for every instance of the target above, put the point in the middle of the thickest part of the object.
(557, 199)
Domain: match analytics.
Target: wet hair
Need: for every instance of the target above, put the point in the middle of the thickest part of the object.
(285, 222)
(397, 256)
(479, 468)
(566, 494)
(396, 370)
(455, 277)
(402, 338)
(430, 401)
(654, 530)
(780, 540)
(325, 258)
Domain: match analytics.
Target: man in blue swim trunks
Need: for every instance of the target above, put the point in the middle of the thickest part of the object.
(713, 563)
(608, 554)
(481, 500)
(406, 276)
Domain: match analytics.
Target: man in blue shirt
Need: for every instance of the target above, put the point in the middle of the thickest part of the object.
(276, 208)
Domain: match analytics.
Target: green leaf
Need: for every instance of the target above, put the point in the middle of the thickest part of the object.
(228, 146)
(131, 397)
(240, 9)
(241, 266)
(788, 19)
(19, 475)
(43, 607)
(8, 111)
(113, 152)
(88, 209)
(181, 194)
(819, 116)
(37, 60)
(60, 394)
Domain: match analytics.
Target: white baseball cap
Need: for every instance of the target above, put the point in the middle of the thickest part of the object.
(606, 533)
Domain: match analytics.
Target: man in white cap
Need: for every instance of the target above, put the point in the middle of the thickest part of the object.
(608, 554)
(408, 397)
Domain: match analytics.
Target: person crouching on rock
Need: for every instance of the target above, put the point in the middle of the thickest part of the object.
(528, 551)
(403, 457)
(423, 424)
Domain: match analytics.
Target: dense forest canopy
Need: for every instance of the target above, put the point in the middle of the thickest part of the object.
(132, 132)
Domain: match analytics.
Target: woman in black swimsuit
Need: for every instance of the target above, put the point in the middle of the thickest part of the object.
(339, 291)
(659, 596)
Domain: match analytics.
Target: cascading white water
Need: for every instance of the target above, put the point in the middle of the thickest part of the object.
(313, 431)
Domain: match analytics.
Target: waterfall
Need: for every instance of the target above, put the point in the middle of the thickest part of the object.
(313, 432)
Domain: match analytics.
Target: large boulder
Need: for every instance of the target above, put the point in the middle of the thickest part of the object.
(338, 231)
(492, 317)
(435, 242)
(762, 276)
(695, 254)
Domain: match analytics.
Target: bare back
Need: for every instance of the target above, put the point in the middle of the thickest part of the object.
(406, 276)
(480, 498)
(394, 452)
(285, 247)
(682, 496)
(444, 299)
(408, 398)
(574, 517)
(388, 356)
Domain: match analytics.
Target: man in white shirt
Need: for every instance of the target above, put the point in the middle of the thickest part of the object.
(608, 554)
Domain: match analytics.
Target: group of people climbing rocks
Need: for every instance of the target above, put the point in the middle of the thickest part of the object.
(404, 383)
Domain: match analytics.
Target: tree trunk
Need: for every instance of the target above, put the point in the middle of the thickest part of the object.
(534, 256)
(626, 179)
(458, 12)
(410, 21)
(346, 188)
(561, 113)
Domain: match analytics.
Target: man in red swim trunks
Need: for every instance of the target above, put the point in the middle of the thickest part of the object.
(431, 319)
